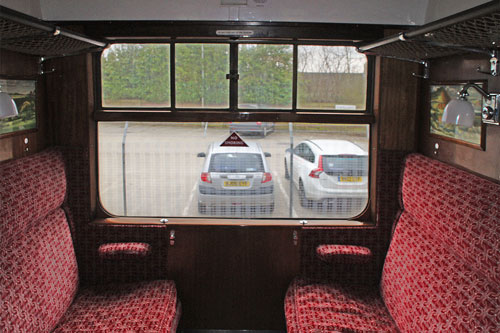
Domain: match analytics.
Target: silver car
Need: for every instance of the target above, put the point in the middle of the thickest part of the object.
(235, 180)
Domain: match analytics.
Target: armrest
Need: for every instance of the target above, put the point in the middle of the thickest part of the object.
(344, 254)
(124, 250)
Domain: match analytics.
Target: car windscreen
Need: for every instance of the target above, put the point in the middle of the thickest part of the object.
(236, 162)
(345, 165)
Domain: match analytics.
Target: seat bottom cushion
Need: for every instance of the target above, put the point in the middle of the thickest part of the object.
(324, 307)
(133, 307)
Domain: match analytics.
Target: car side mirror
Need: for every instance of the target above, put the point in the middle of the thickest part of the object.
(266, 154)
(288, 150)
(201, 155)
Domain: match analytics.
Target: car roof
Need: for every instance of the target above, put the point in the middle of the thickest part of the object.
(335, 147)
(253, 147)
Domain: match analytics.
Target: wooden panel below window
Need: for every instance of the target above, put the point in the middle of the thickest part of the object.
(233, 277)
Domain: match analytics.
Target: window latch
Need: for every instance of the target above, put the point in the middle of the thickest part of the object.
(172, 237)
(233, 75)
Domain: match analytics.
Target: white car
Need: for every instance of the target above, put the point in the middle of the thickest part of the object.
(235, 180)
(331, 174)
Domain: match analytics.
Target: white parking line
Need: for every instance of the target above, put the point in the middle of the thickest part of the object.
(282, 188)
(190, 200)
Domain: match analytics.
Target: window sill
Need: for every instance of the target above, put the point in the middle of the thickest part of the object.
(229, 222)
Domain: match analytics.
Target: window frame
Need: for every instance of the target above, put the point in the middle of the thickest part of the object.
(367, 113)
(233, 113)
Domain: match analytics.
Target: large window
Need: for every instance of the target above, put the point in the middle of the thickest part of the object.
(281, 170)
(203, 157)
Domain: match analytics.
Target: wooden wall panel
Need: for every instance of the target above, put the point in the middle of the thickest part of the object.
(70, 105)
(399, 91)
(233, 277)
(485, 163)
(19, 66)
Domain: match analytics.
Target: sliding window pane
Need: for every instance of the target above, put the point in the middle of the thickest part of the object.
(299, 170)
(136, 75)
(265, 76)
(200, 75)
(331, 78)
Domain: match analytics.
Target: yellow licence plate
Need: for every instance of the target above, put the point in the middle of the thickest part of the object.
(238, 183)
(350, 179)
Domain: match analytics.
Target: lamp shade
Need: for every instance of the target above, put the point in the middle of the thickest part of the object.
(7, 106)
(458, 112)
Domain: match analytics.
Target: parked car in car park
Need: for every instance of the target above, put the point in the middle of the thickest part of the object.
(329, 174)
(235, 179)
(259, 127)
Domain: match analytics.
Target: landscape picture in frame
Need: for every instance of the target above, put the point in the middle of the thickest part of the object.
(23, 93)
(440, 95)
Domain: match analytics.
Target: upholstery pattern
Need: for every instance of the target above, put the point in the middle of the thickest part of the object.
(136, 307)
(124, 250)
(346, 254)
(323, 307)
(38, 276)
(30, 188)
(441, 273)
(458, 208)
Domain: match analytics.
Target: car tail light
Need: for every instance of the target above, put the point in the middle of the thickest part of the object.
(316, 172)
(205, 177)
(267, 177)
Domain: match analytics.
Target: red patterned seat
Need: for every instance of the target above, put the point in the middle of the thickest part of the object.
(320, 307)
(441, 273)
(38, 268)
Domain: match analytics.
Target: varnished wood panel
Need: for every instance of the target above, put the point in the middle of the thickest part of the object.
(399, 98)
(233, 277)
(70, 105)
(68, 100)
(485, 163)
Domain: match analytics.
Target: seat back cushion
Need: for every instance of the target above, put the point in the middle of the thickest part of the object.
(38, 271)
(442, 269)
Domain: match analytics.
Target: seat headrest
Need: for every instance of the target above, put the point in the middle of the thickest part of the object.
(30, 188)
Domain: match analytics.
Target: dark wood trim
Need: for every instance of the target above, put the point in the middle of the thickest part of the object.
(211, 221)
(295, 75)
(22, 132)
(316, 117)
(203, 29)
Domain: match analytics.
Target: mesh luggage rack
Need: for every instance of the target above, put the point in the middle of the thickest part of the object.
(28, 35)
(476, 30)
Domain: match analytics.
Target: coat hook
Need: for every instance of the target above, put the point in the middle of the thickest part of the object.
(41, 70)
(426, 71)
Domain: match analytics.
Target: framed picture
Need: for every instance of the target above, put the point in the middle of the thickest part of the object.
(23, 92)
(440, 95)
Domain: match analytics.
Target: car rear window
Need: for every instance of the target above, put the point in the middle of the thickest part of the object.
(236, 162)
(345, 165)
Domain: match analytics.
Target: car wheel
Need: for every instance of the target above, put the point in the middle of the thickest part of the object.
(202, 208)
(287, 175)
(304, 202)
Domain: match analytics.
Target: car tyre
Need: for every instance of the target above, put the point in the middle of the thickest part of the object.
(304, 202)
(287, 175)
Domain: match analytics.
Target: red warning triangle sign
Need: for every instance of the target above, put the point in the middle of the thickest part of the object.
(234, 140)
